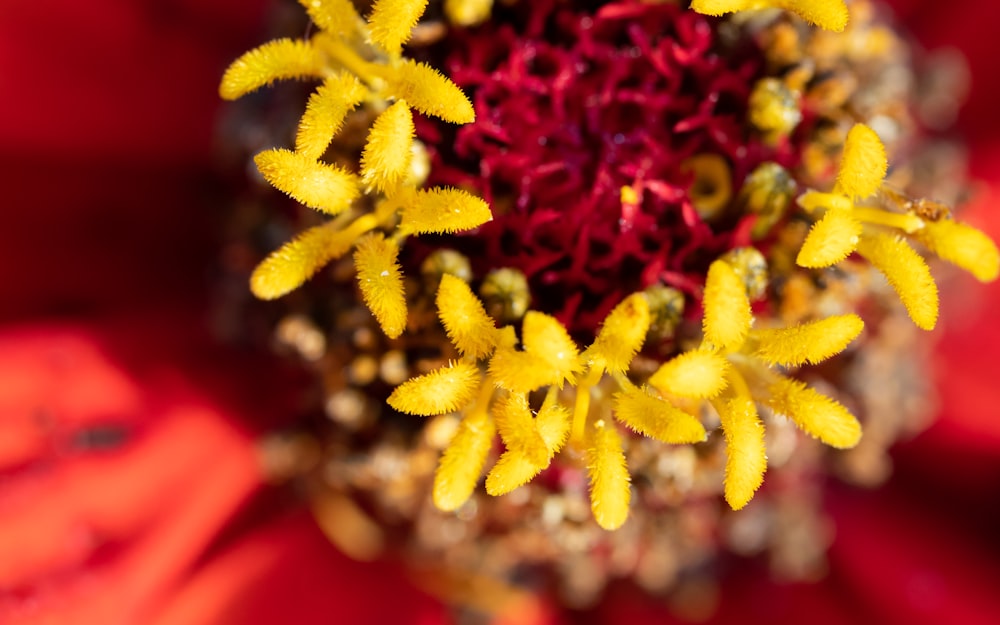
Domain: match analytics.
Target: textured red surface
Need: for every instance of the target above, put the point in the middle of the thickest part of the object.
(128, 487)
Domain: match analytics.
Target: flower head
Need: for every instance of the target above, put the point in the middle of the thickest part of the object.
(595, 178)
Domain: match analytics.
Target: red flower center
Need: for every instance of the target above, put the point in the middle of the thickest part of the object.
(573, 105)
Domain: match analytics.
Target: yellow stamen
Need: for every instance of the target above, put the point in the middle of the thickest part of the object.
(621, 335)
(469, 328)
(288, 267)
(727, 308)
(381, 282)
(385, 161)
(609, 478)
(816, 414)
(963, 246)
(391, 22)
(650, 416)
(864, 164)
(280, 59)
(746, 457)
(809, 342)
(698, 373)
(830, 240)
(323, 187)
(908, 274)
(325, 113)
(443, 390)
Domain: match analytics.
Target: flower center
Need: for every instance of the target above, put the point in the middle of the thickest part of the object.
(607, 144)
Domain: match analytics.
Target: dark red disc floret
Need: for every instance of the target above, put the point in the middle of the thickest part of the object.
(573, 103)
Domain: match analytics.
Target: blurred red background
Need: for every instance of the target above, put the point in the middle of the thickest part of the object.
(129, 489)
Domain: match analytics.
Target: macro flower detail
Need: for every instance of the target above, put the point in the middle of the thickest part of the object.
(580, 285)
(380, 79)
(877, 233)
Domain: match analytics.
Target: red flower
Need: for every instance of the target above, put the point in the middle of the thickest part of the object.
(129, 488)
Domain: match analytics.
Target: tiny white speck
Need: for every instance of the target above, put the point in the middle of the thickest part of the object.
(385, 273)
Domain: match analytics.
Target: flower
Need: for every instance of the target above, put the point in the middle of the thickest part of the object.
(884, 554)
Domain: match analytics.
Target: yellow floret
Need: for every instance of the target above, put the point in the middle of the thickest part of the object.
(392, 21)
(698, 373)
(828, 14)
(469, 328)
(333, 16)
(816, 414)
(621, 335)
(830, 240)
(521, 372)
(317, 185)
(863, 165)
(651, 416)
(442, 210)
(727, 315)
(443, 390)
(964, 246)
(280, 59)
(381, 282)
(430, 92)
(325, 113)
(517, 427)
(463, 460)
(547, 339)
(385, 160)
(908, 274)
(609, 478)
(746, 458)
(809, 342)
(288, 267)
(514, 469)
(467, 12)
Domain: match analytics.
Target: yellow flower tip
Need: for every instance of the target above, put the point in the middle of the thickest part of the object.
(697, 373)
(515, 469)
(317, 185)
(442, 210)
(908, 275)
(746, 457)
(381, 282)
(622, 334)
(830, 240)
(333, 16)
(325, 112)
(609, 479)
(288, 267)
(430, 92)
(517, 428)
(815, 414)
(511, 471)
(443, 390)
(808, 342)
(385, 160)
(392, 21)
(462, 461)
(719, 7)
(650, 416)
(520, 372)
(547, 339)
(469, 328)
(827, 14)
(863, 165)
(468, 12)
(280, 59)
(964, 246)
(727, 315)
